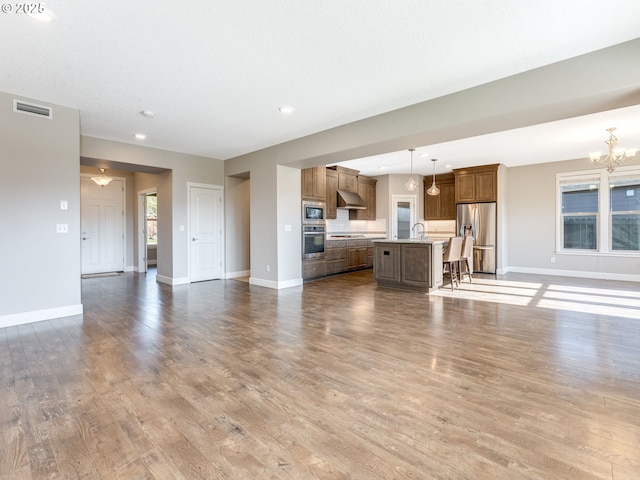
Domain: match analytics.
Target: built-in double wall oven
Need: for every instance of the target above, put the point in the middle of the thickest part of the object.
(313, 229)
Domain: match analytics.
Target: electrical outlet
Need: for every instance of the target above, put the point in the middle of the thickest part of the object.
(268, 268)
(62, 228)
(553, 259)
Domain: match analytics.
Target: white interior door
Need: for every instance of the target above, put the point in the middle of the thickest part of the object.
(102, 222)
(205, 228)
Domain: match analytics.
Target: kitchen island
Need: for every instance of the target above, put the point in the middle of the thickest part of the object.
(408, 264)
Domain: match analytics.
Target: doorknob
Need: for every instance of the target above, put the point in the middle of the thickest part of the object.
(85, 238)
(194, 239)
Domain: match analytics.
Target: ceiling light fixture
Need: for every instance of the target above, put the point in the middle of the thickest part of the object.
(615, 155)
(411, 184)
(140, 136)
(286, 109)
(102, 179)
(41, 13)
(433, 190)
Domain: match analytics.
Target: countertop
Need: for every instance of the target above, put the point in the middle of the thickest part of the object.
(364, 236)
(411, 240)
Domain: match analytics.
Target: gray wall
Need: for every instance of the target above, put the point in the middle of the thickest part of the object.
(238, 226)
(173, 246)
(531, 222)
(39, 167)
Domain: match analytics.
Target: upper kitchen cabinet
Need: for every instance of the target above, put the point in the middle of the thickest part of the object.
(347, 179)
(366, 188)
(331, 198)
(476, 184)
(314, 184)
(442, 206)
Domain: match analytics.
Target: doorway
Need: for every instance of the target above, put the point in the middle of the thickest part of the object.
(403, 216)
(147, 254)
(102, 226)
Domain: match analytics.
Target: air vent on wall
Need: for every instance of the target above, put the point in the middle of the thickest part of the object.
(32, 109)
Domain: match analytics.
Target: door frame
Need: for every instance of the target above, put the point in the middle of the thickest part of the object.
(141, 258)
(220, 188)
(395, 199)
(124, 215)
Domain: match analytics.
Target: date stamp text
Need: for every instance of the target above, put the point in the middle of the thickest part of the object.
(25, 8)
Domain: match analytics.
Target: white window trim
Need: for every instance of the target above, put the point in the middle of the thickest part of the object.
(603, 216)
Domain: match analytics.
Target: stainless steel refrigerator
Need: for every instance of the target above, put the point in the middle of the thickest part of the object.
(479, 220)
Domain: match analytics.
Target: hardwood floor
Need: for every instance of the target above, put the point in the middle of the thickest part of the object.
(520, 377)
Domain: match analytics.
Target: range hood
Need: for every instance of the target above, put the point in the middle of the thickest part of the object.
(350, 201)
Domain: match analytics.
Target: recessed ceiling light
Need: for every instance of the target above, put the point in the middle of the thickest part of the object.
(140, 136)
(447, 166)
(146, 113)
(425, 154)
(41, 14)
(382, 167)
(286, 109)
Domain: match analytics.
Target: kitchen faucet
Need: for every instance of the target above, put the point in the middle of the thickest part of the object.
(423, 231)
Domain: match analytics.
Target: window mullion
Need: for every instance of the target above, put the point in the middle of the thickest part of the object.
(604, 216)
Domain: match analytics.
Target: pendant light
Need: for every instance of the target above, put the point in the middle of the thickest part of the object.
(433, 190)
(411, 184)
(102, 179)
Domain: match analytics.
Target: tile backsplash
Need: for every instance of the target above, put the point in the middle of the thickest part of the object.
(342, 225)
(440, 228)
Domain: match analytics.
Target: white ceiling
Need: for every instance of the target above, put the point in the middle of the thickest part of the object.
(214, 72)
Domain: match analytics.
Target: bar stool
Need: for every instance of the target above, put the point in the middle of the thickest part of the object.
(466, 258)
(451, 258)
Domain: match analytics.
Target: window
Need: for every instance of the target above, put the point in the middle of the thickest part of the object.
(580, 215)
(152, 219)
(625, 213)
(599, 212)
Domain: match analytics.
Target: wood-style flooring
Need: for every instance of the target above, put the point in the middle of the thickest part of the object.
(515, 377)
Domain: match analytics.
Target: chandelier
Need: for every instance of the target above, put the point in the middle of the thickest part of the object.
(411, 184)
(615, 155)
(433, 190)
(102, 179)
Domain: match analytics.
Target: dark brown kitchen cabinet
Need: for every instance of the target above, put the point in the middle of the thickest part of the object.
(347, 179)
(331, 197)
(476, 184)
(314, 184)
(336, 256)
(410, 265)
(313, 268)
(367, 191)
(357, 253)
(442, 206)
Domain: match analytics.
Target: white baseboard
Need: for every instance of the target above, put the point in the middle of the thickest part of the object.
(39, 315)
(243, 273)
(574, 273)
(172, 281)
(276, 285)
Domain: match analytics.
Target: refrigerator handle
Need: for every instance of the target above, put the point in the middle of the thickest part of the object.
(475, 222)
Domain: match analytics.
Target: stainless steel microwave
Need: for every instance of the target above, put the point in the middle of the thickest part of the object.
(313, 213)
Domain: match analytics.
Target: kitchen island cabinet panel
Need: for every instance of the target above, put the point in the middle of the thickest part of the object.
(414, 270)
(386, 264)
(409, 265)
